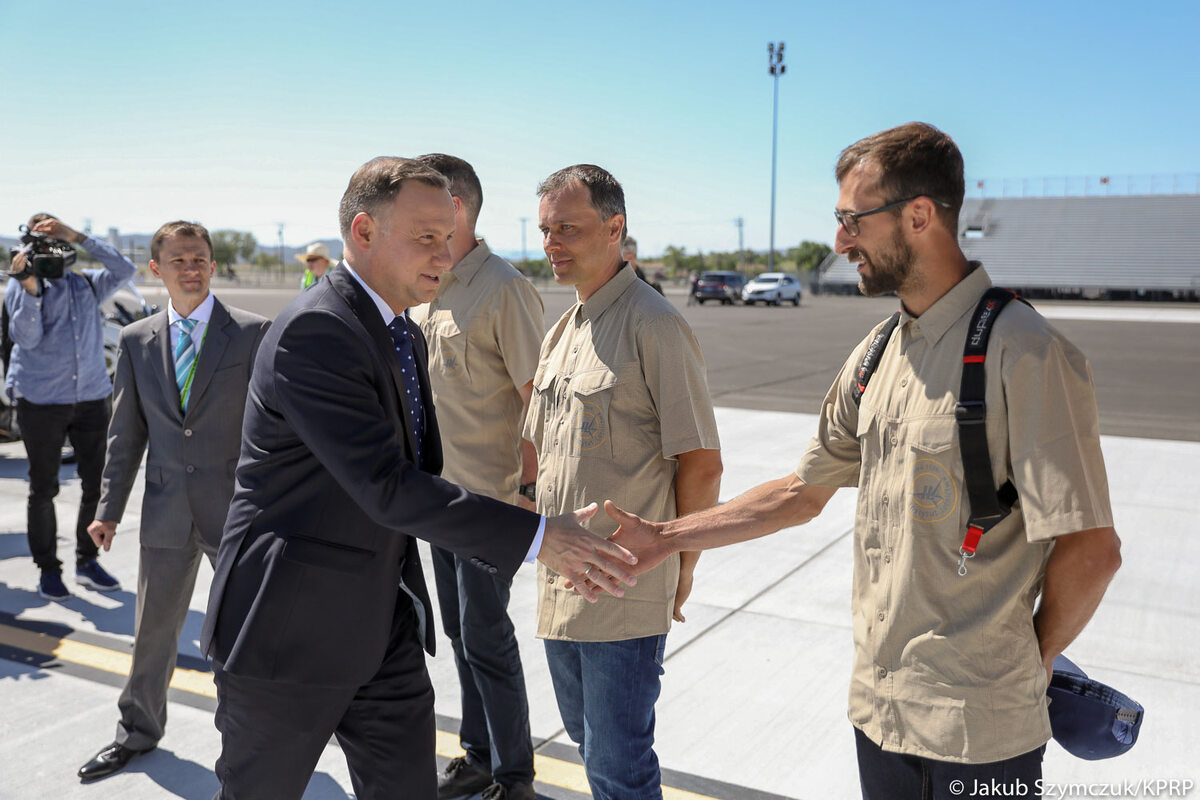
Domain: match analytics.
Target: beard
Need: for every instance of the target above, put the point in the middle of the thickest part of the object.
(888, 270)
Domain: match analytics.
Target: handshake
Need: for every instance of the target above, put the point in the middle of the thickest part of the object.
(592, 565)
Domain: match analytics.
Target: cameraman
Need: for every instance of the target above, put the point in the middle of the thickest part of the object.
(61, 387)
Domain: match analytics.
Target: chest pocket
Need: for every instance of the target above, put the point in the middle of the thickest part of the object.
(590, 406)
(447, 349)
(934, 472)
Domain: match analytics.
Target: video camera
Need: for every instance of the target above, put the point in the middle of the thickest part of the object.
(48, 258)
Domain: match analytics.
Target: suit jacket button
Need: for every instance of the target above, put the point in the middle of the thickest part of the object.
(493, 570)
(190, 469)
(187, 431)
(474, 560)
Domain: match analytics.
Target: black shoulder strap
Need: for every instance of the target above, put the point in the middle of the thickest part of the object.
(988, 506)
(871, 358)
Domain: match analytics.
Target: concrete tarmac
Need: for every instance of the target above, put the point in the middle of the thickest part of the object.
(1145, 356)
(754, 695)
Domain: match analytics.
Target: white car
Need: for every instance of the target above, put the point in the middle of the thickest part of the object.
(772, 288)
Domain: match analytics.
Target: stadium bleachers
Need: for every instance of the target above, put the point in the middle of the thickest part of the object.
(1110, 247)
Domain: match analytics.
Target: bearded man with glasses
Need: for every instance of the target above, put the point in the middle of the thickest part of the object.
(948, 691)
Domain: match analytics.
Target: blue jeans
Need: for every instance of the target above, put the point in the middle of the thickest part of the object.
(606, 693)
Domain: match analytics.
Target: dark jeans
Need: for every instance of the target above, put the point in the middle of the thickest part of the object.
(892, 776)
(606, 693)
(495, 709)
(44, 430)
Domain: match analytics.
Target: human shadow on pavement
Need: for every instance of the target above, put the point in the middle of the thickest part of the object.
(11, 467)
(178, 776)
(118, 620)
(181, 777)
(14, 544)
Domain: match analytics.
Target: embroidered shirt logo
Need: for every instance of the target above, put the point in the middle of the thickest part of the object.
(591, 425)
(934, 495)
(451, 364)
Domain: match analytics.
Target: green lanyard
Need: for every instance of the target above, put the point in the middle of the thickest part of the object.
(187, 384)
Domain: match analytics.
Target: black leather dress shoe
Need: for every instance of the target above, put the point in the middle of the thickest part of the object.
(109, 760)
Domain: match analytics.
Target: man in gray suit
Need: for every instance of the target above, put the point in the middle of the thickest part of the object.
(180, 387)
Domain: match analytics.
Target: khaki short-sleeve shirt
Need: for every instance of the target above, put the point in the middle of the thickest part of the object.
(949, 667)
(619, 393)
(484, 329)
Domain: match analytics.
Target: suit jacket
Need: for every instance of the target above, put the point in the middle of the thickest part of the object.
(328, 500)
(190, 467)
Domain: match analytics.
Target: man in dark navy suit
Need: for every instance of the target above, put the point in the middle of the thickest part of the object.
(318, 609)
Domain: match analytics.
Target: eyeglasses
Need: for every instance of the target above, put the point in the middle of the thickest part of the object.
(849, 219)
(315, 259)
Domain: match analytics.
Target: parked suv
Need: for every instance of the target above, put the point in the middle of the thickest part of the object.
(723, 286)
(772, 288)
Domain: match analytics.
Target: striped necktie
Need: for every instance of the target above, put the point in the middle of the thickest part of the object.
(185, 360)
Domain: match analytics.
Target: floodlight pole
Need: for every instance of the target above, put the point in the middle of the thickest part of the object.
(282, 268)
(775, 68)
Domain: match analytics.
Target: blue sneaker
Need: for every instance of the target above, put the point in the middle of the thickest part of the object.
(93, 576)
(51, 587)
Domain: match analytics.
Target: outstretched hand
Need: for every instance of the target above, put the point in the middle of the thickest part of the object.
(643, 539)
(590, 564)
(637, 536)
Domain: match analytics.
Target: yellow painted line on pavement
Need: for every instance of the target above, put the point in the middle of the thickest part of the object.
(101, 658)
(550, 771)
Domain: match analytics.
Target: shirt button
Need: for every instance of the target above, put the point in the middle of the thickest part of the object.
(887, 559)
(882, 672)
(893, 440)
(904, 381)
(190, 469)
(187, 431)
(882, 616)
(885, 498)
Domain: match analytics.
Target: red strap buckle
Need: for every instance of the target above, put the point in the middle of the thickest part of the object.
(971, 540)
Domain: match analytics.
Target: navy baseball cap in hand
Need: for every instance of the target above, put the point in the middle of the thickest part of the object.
(1090, 720)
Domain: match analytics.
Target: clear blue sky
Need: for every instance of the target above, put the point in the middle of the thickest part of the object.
(248, 114)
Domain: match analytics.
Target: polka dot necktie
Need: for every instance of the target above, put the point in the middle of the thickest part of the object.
(412, 384)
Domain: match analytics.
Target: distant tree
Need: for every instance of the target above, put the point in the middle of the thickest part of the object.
(231, 246)
(265, 260)
(534, 268)
(809, 255)
(673, 258)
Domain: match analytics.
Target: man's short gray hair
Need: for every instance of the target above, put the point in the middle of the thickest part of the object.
(604, 191)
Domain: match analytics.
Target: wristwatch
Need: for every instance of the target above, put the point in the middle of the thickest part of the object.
(529, 491)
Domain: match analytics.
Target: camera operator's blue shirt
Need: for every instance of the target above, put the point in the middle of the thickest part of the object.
(58, 353)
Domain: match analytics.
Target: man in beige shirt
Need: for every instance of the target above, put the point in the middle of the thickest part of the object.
(483, 331)
(620, 409)
(950, 669)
